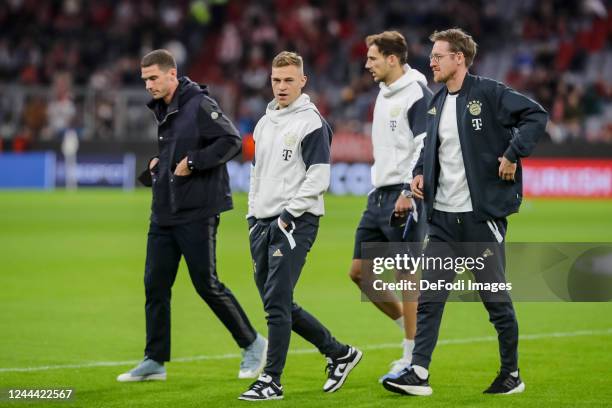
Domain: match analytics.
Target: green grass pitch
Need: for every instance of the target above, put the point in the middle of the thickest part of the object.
(71, 295)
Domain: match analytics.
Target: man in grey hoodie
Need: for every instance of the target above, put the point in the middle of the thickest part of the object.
(290, 174)
(398, 130)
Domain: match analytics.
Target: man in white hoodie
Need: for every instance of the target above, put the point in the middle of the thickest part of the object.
(290, 173)
(398, 131)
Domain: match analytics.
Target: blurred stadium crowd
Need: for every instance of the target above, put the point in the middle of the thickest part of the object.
(75, 64)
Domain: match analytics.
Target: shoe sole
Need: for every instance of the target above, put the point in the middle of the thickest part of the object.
(516, 390)
(349, 368)
(140, 378)
(520, 388)
(417, 390)
(255, 374)
(276, 397)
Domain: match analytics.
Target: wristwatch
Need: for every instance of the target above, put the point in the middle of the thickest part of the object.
(406, 193)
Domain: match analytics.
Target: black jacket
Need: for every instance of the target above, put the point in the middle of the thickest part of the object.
(191, 126)
(493, 120)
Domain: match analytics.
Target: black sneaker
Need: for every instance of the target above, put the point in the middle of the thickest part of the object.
(338, 369)
(263, 389)
(505, 383)
(408, 383)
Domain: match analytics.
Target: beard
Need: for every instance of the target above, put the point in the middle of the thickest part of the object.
(442, 79)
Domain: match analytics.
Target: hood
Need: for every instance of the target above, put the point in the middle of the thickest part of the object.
(410, 76)
(302, 103)
(188, 89)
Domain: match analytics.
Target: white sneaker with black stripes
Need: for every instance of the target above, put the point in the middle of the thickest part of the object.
(338, 369)
(263, 389)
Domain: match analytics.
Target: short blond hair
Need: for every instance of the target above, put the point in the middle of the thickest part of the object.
(287, 58)
(459, 41)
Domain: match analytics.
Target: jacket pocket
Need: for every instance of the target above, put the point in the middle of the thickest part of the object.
(158, 193)
(284, 234)
(503, 197)
(188, 192)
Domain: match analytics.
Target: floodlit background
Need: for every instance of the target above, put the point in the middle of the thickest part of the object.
(72, 258)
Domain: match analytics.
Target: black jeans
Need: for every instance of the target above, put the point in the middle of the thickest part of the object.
(445, 231)
(196, 241)
(278, 258)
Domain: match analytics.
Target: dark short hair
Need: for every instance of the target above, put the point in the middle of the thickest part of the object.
(390, 43)
(459, 41)
(161, 58)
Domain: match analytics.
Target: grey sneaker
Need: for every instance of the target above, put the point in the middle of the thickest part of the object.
(253, 358)
(146, 370)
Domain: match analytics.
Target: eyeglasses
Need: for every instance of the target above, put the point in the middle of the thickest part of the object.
(438, 57)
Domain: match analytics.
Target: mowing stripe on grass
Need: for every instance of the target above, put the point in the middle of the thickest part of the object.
(537, 336)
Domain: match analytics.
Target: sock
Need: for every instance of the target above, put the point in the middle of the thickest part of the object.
(408, 348)
(514, 374)
(421, 372)
(275, 378)
(400, 322)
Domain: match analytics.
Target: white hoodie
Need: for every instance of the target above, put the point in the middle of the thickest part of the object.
(399, 128)
(291, 168)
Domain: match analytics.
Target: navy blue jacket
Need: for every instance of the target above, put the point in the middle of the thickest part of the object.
(493, 120)
(191, 126)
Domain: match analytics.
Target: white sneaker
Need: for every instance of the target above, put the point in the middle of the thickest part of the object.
(397, 367)
(263, 389)
(338, 369)
(146, 370)
(253, 358)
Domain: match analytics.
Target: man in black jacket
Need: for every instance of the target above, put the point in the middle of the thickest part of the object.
(190, 189)
(469, 175)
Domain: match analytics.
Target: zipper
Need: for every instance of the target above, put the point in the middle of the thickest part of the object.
(166, 117)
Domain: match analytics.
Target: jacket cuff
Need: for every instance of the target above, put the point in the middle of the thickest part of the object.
(417, 171)
(510, 154)
(191, 161)
(286, 217)
(406, 186)
(251, 221)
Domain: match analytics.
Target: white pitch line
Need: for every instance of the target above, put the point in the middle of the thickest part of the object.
(536, 336)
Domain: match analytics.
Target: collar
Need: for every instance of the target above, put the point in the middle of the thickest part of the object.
(155, 106)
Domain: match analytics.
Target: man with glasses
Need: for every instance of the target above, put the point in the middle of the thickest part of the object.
(469, 175)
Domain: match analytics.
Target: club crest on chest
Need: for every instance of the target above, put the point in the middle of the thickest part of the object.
(289, 142)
